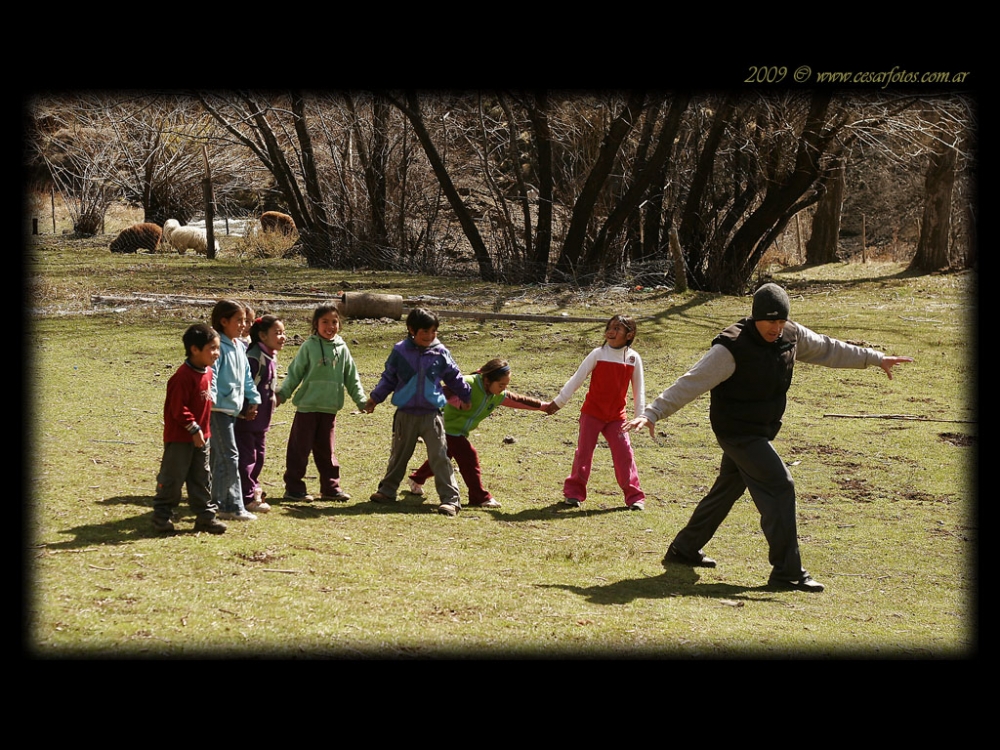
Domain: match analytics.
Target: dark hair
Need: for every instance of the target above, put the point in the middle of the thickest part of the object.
(223, 310)
(420, 319)
(495, 369)
(198, 335)
(319, 312)
(627, 322)
(262, 325)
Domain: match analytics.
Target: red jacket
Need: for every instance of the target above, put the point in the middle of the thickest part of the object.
(188, 405)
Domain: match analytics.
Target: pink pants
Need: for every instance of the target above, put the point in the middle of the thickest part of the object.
(621, 454)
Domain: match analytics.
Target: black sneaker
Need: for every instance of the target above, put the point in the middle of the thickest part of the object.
(572, 502)
(163, 525)
(806, 583)
(699, 560)
(338, 497)
(215, 526)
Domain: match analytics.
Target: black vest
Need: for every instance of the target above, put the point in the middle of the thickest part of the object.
(752, 400)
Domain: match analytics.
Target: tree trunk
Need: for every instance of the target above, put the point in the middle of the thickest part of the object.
(583, 208)
(822, 245)
(412, 111)
(932, 247)
(629, 202)
(538, 114)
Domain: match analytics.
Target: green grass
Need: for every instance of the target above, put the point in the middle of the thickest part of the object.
(886, 507)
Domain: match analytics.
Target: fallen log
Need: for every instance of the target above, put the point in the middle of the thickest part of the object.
(354, 304)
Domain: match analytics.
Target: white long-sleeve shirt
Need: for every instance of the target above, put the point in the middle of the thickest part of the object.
(718, 365)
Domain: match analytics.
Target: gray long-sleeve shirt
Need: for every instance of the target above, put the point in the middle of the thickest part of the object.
(718, 365)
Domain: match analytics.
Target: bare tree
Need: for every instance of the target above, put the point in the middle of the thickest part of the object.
(79, 154)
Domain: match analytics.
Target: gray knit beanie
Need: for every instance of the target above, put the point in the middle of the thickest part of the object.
(770, 302)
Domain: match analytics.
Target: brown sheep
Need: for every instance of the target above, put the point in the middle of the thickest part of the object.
(275, 221)
(130, 239)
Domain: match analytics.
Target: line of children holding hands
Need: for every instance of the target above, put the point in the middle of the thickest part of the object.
(434, 401)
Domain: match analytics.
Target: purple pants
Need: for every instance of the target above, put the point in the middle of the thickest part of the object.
(467, 458)
(621, 454)
(316, 433)
(251, 448)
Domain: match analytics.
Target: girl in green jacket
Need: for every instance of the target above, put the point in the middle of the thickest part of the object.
(489, 390)
(322, 370)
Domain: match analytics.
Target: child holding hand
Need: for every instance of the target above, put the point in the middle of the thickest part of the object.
(489, 390)
(186, 416)
(413, 373)
(267, 337)
(612, 367)
(234, 386)
(321, 371)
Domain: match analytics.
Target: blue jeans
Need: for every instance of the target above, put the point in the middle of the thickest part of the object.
(225, 464)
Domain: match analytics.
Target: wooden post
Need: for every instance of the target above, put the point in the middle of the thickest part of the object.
(864, 241)
(34, 226)
(798, 240)
(680, 275)
(52, 196)
(209, 207)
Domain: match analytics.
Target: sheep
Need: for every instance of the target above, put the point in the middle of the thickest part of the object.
(183, 238)
(130, 239)
(275, 221)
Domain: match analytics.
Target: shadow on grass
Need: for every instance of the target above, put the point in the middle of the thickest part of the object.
(319, 508)
(125, 531)
(555, 510)
(672, 583)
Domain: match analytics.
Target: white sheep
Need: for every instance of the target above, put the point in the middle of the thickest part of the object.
(183, 238)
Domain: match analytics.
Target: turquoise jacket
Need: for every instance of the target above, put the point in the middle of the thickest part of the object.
(232, 382)
(321, 371)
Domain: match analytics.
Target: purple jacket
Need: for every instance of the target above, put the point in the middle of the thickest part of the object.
(264, 371)
(414, 376)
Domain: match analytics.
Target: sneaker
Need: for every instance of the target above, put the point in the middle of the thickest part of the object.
(378, 497)
(163, 525)
(300, 496)
(805, 583)
(212, 527)
(258, 506)
(491, 502)
(338, 497)
(698, 560)
(638, 505)
(416, 488)
(448, 509)
(242, 515)
(572, 502)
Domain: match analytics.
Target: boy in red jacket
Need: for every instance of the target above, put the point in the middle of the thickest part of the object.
(186, 417)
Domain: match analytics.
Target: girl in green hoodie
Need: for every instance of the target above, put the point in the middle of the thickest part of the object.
(489, 390)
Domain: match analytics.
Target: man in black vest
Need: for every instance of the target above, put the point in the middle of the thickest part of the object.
(748, 371)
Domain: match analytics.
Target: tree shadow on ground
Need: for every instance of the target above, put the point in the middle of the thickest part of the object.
(672, 583)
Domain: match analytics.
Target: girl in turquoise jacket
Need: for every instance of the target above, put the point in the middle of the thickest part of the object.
(489, 390)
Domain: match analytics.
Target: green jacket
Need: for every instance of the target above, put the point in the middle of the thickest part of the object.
(460, 423)
(323, 369)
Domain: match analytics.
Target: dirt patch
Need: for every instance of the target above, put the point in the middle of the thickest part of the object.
(956, 438)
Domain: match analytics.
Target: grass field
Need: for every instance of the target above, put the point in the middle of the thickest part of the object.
(886, 507)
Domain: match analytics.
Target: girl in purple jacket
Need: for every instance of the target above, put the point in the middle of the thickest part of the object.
(267, 337)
